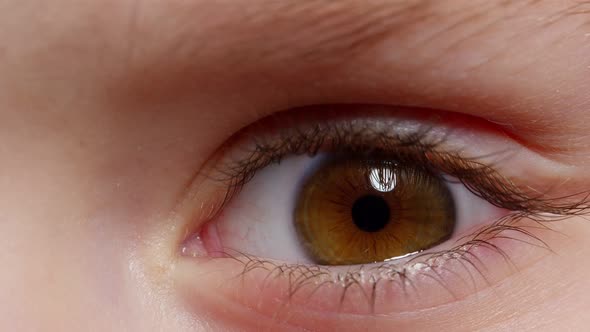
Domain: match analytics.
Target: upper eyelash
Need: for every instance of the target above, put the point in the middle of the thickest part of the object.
(418, 149)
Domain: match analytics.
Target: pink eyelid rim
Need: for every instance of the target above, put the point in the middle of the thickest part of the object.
(205, 243)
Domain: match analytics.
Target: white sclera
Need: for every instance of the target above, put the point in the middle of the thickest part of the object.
(259, 220)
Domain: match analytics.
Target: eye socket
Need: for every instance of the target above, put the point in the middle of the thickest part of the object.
(246, 234)
(302, 211)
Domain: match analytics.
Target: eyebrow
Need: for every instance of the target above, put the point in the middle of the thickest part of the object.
(313, 30)
(187, 36)
(263, 32)
(422, 53)
(349, 27)
(339, 27)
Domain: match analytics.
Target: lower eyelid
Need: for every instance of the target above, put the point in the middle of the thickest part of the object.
(294, 292)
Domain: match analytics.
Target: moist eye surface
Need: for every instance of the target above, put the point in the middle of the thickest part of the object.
(363, 210)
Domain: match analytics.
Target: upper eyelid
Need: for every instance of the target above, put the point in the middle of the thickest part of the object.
(481, 178)
(556, 155)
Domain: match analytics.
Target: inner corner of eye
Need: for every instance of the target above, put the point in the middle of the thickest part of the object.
(204, 242)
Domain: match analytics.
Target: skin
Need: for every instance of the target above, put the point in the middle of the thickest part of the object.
(109, 108)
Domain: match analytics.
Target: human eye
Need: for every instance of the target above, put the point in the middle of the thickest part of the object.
(372, 210)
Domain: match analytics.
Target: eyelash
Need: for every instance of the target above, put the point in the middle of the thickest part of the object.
(417, 150)
(422, 148)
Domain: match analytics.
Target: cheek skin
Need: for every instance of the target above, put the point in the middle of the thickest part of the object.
(60, 264)
(218, 288)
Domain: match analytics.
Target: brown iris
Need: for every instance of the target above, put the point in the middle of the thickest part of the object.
(355, 211)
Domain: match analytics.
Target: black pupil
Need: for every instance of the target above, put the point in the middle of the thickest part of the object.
(370, 213)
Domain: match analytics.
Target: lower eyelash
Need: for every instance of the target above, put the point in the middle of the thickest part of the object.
(469, 257)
